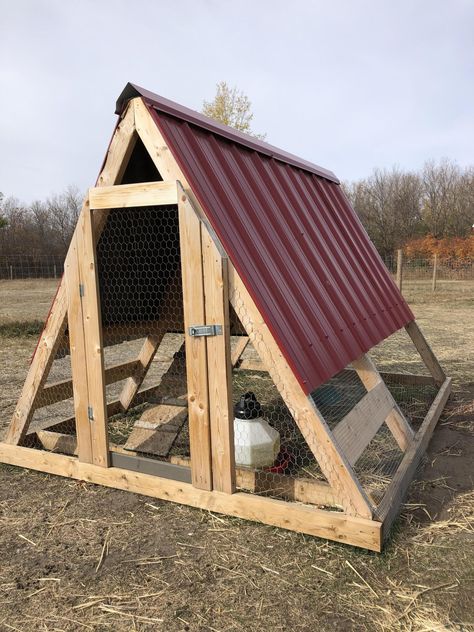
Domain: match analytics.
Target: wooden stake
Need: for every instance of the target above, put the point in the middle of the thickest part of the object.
(400, 268)
(435, 272)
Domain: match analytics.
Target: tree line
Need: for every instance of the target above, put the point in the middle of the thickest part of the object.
(39, 228)
(398, 206)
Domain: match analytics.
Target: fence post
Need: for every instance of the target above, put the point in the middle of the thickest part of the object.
(55, 275)
(399, 268)
(11, 273)
(435, 272)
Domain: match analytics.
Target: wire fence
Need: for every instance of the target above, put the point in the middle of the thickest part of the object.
(23, 266)
(442, 269)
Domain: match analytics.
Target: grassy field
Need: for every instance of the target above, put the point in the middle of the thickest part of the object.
(79, 557)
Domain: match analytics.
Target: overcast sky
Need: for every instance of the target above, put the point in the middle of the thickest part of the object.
(349, 85)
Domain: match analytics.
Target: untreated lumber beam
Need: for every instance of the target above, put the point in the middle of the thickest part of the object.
(303, 490)
(63, 389)
(332, 525)
(425, 351)
(395, 420)
(133, 195)
(113, 408)
(357, 429)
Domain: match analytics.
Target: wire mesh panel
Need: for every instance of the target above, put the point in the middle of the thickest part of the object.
(52, 426)
(139, 269)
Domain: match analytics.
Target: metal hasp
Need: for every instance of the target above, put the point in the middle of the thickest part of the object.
(205, 330)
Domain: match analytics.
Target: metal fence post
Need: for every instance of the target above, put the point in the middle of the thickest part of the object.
(399, 268)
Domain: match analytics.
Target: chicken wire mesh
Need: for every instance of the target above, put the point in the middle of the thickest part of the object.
(294, 469)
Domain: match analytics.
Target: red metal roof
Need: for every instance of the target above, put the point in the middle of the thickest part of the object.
(297, 244)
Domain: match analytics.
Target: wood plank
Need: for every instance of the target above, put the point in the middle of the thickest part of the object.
(332, 525)
(357, 429)
(402, 379)
(251, 365)
(63, 389)
(314, 429)
(239, 349)
(93, 346)
(144, 360)
(395, 420)
(196, 352)
(113, 408)
(58, 442)
(157, 429)
(304, 490)
(77, 351)
(216, 292)
(389, 506)
(426, 353)
(121, 146)
(133, 195)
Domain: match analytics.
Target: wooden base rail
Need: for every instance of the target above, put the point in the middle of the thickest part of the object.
(332, 525)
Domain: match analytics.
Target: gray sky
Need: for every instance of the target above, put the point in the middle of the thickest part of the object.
(349, 85)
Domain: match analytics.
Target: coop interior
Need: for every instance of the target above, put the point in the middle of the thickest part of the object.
(139, 270)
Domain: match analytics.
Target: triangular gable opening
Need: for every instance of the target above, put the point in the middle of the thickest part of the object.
(140, 167)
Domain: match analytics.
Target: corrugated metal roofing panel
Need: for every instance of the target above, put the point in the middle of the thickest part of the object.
(185, 114)
(298, 246)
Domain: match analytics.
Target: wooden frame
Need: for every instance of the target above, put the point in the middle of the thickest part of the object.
(209, 479)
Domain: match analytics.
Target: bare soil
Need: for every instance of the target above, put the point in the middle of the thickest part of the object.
(75, 556)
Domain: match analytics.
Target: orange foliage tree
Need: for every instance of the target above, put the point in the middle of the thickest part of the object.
(455, 248)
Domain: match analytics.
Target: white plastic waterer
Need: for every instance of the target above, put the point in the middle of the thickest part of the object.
(257, 444)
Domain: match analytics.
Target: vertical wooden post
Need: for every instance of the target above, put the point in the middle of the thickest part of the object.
(77, 348)
(196, 353)
(93, 346)
(400, 268)
(11, 273)
(435, 271)
(216, 292)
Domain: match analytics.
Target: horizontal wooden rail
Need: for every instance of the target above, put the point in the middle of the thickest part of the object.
(113, 408)
(304, 490)
(332, 525)
(59, 391)
(132, 195)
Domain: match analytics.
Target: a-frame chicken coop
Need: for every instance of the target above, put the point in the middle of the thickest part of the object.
(206, 264)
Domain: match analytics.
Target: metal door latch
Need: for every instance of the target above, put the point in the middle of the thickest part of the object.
(205, 330)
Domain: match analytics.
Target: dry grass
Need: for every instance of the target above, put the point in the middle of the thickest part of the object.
(26, 300)
(79, 557)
